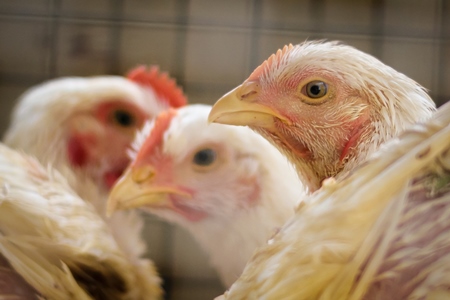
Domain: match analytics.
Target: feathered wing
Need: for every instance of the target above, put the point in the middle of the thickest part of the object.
(379, 233)
(12, 284)
(125, 226)
(56, 241)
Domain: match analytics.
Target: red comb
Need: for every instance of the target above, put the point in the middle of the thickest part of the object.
(160, 82)
(162, 122)
(267, 64)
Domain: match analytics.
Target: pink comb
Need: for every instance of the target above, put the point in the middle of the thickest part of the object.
(267, 64)
(162, 122)
(160, 82)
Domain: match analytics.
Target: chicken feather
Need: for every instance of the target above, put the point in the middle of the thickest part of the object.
(379, 233)
(228, 186)
(48, 116)
(56, 241)
(326, 105)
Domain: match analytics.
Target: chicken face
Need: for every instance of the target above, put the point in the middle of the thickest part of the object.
(89, 123)
(98, 138)
(184, 177)
(323, 104)
(229, 187)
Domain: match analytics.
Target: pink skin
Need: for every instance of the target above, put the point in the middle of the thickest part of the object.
(150, 154)
(353, 137)
(104, 147)
(323, 133)
(181, 177)
(202, 184)
(164, 177)
(188, 212)
(12, 285)
(408, 276)
(195, 207)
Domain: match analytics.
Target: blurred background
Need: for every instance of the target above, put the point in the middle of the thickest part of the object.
(209, 47)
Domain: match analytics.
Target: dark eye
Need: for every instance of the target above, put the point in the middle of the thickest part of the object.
(316, 89)
(123, 118)
(204, 157)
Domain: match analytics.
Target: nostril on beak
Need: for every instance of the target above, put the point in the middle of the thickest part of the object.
(248, 90)
(143, 173)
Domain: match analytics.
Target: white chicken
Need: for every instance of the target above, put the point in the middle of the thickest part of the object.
(54, 245)
(83, 128)
(383, 232)
(88, 123)
(228, 186)
(327, 106)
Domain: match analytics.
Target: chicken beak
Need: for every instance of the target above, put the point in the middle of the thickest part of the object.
(239, 107)
(136, 188)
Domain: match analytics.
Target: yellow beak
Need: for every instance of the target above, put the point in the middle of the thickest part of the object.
(239, 107)
(136, 188)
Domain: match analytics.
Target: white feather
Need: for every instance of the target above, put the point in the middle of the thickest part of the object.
(234, 227)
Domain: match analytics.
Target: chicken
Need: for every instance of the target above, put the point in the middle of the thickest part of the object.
(327, 106)
(54, 245)
(221, 183)
(83, 128)
(74, 121)
(382, 232)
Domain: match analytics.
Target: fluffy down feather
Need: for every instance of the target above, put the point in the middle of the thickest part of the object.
(228, 186)
(380, 233)
(55, 245)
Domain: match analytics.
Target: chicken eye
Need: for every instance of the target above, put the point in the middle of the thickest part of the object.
(204, 157)
(123, 118)
(315, 89)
